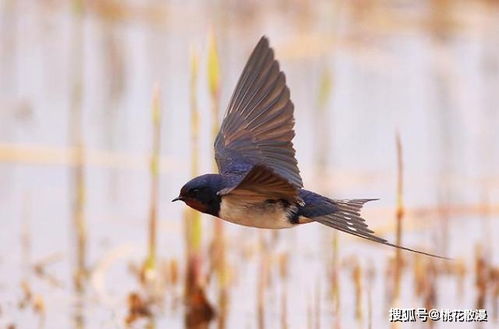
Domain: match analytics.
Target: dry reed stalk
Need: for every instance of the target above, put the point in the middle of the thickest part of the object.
(76, 127)
(357, 280)
(34, 301)
(457, 269)
(39, 269)
(137, 308)
(494, 280)
(325, 89)
(199, 312)
(150, 264)
(335, 276)
(219, 260)
(317, 305)
(461, 275)
(214, 81)
(481, 276)
(323, 137)
(430, 286)
(193, 218)
(26, 239)
(441, 21)
(283, 274)
(173, 272)
(310, 314)
(419, 274)
(263, 279)
(388, 274)
(370, 283)
(399, 218)
(284, 309)
(441, 28)
(323, 144)
(284, 266)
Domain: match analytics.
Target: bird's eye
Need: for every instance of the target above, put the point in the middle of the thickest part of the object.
(194, 191)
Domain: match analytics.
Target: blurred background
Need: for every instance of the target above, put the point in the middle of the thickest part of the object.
(108, 107)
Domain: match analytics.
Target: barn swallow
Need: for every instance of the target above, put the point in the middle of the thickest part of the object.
(259, 183)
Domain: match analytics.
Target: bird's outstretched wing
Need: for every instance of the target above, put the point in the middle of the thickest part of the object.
(258, 126)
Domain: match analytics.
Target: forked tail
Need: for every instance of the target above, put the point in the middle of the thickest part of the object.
(344, 215)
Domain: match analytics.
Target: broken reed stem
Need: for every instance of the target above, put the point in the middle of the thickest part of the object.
(153, 210)
(399, 216)
(76, 128)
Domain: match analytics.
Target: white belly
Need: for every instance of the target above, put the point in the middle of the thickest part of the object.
(260, 214)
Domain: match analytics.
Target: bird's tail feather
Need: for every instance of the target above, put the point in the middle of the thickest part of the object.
(347, 219)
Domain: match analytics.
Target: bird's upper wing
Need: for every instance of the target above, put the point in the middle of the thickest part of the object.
(258, 126)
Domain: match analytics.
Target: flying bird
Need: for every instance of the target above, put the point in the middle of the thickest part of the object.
(259, 183)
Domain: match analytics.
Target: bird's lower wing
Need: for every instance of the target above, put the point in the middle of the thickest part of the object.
(261, 183)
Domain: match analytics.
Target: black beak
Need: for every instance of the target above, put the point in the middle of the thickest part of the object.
(178, 198)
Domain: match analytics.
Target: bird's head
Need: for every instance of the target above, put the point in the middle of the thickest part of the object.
(200, 193)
